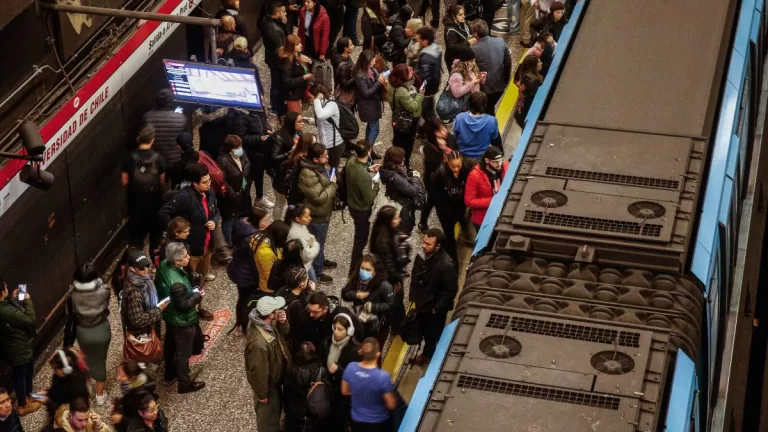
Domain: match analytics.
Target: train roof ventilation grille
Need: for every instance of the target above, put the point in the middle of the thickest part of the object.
(537, 392)
(613, 178)
(593, 224)
(567, 331)
(612, 362)
(549, 199)
(500, 346)
(646, 210)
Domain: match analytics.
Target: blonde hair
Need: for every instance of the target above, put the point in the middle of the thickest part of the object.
(414, 24)
(464, 68)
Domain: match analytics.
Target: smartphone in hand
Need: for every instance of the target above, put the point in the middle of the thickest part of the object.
(22, 292)
(163, 301)
(423, 85)
(386, 73)
(332, 173)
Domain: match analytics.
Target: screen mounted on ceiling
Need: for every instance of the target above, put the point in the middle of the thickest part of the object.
(214, 85)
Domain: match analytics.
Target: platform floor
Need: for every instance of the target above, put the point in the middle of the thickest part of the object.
(226, 404)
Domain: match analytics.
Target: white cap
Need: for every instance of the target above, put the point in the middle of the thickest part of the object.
(266, 305)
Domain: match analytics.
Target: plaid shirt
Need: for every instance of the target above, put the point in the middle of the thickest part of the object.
(136, 317)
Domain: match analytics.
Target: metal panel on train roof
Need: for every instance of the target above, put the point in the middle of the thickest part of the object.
(645, 66)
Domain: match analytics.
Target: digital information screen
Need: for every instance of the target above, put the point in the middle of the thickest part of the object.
(214, 85)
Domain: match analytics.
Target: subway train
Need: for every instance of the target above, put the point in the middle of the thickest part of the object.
(616, 281)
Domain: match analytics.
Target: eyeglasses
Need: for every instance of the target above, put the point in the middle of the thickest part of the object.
(205, 182)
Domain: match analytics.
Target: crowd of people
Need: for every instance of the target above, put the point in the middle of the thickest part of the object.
(310, 357)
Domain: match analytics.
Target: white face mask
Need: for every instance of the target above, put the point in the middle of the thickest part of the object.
(238, 152)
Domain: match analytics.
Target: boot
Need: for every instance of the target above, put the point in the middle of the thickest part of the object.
(29, 408)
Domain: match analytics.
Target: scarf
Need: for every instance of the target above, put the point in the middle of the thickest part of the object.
(150, 291)
(334, 351)
(133, 384)
(257, 321)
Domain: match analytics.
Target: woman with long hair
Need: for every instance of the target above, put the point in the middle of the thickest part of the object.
(528, 80)
(369, 85)
(440, 142)
(402, 186)
(465, 76)
(236, 201)
(374, 25)
(178, 231)
(457, 33)
(448, 195)
(372, 297)
(268, 248)
(70, 379)
(399, 96)
(385, 243)
(292, 252)
(299, 218)
(285, 171)
(296, 72)
(90, 306)
(314, 29)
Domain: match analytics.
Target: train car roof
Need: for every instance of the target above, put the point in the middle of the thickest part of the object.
(664, 73)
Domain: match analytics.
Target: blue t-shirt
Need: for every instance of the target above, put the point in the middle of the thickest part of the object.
(368, 387)
(474, 133)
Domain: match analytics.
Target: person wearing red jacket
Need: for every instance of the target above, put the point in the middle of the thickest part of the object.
(314, 29)
(483, 182)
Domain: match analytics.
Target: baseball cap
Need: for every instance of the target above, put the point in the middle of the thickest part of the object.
(137, 259)
(267, 305)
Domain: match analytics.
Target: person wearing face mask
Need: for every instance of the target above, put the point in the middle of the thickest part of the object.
(236, 201)
(448, 195)
(342, 349)
(483, 182)
(372, 296)
(242, 269)
(434, 284)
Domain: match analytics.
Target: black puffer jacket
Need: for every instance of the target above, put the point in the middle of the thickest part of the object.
(388, 251)
(273, 34)
(397, 36)
(251, 128)
(168, 124)
(237, 200)
(381, 297)
(298, 380)
(456, 36)
(241, 59)
(294, 85)
(188, 203)
(281, 143)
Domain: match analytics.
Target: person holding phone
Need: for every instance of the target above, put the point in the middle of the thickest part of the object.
(430, 70)
(16, 333)
(400, 97)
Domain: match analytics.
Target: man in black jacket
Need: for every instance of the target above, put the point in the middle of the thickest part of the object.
(315, 323)
(430, 69)
(9, 420)
(197, 204)
(168, 125)
(434, 284)
(273, 32)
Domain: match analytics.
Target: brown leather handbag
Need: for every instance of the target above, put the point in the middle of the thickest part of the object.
(150, 351)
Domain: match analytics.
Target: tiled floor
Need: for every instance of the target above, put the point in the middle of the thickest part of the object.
(226, 404)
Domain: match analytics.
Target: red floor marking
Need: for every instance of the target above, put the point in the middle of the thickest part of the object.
(214, 328)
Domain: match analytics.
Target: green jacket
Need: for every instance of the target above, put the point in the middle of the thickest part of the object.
(361, 191)
(181, 312)
(17, 329)
(318, 191)
(404, 100)
(266, 356)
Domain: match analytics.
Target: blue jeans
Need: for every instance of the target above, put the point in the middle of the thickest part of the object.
(372, 131)
(350, 23)
(22, 381)
(320, 231)
(311, 274)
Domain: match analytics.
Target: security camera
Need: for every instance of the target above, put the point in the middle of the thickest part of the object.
(36, 177)
(31, 139)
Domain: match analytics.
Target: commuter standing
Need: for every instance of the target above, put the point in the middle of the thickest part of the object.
(483, 182)
(319, 192)
(402, 96)
(397, 34)
(150, 418)
(448, 195)
(177, 174)
(344, 77)
(9, 419)
(374, 25)
(434, 284)
(403, 187)
(315, 322)
(361, 195)
(197, 204)
(314, 29)
(90, 306)
(299, 217)
(266, 358)
(168, 125)
(16, 339)
(457, 33)
(328, 121)
(475, 130)
(368, 96)
(351, 11)
(294, 70)
(528, 81)
(305, 370)
(371, 391)
(429, 69)
(414, 47)
(181, 317)
(273, 31)
(236, 201)
(493, 58)
(143, 175)
(372, 296)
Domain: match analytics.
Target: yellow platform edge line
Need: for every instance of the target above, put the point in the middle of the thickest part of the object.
(395, 357)
(508, 101)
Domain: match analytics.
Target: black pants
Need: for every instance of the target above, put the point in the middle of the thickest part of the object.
(429, 173)
(406, 140)
(257, 174)
(336, 15)
(275, 96)
(177, 350)
(431, 328)
(362, 222)
(334, 155)
(447, 224)
(241, 316)
(435, 20)
(143, 222)
(493, 99)
(22, 381)
(371, 427)
(350, 23)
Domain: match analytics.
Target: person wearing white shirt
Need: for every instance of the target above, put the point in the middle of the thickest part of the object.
(326, 111)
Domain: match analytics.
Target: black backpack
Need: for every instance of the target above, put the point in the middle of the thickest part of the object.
(146, 174)
(348, 127)
(319, 398)
(340, 200)
(294, 193)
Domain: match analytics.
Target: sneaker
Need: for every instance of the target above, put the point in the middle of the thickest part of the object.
(210, 277)
(266, 203)
(377, 143)
(101, 400)
(330, 264)
(205, 315)
(193, 387)
(324, 279)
